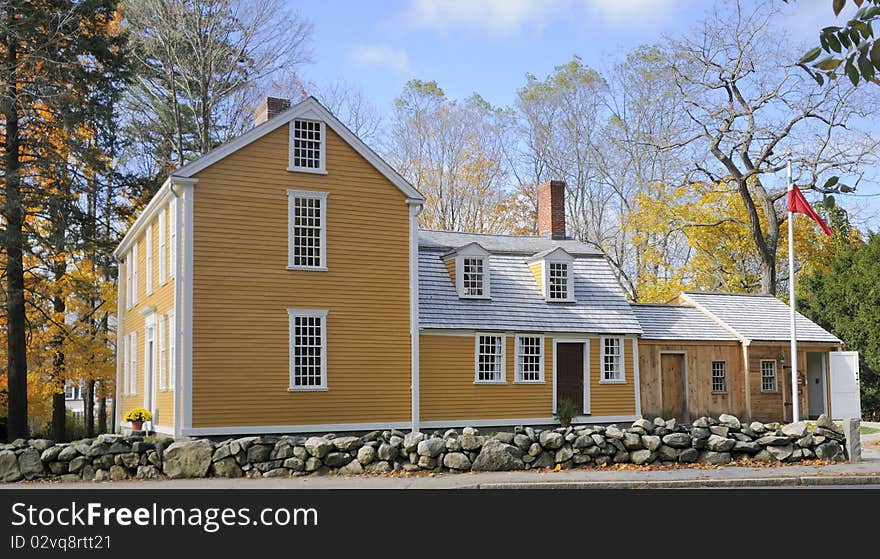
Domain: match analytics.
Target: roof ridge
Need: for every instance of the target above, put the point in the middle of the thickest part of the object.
(511, 235)
(696, 292)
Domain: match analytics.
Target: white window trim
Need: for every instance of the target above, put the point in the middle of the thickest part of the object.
(503, 337)
(622, 379)
(134, 274)
(569, 283)
(322, 169)
(292, 195)
(128, 275)
(322, 314)
(517, 373)
(162, 350)
(172, 349)
(126, 365)
(775, 376)
(712, 376)
(163, 246)
(149, 259)
(459, 279)
(133, 355)
(172, 238)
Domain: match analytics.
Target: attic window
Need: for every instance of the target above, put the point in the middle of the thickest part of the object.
(469, 267)
(307, 146)
(557, 281)
(472, 277)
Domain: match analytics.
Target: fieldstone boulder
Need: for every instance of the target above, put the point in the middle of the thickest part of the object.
(148, 472)
(640, 457)
(68, 453)
(772, 440)
(226, 467)
(318, 447)
(644, 424)
(387, 452)
(795, 430)
(750, 447)
(551, 440)
(729, 421)
(700, 433)
(720, 430)
(632, 441)
(366, 454)
(677, 440)
(583, 441)
(780, 452)
(30, 464)
(9, 469)
(457, 461)
(498, 456)
(805, 442)
(543, 460)
(353, 468)
(613, 432)
(825, 422)
(564, 454)
(651, 442)
(431, 447)
(118, 473)
(337, 459)
(829, 450)
(347, 444)
(668, 453)
(712, 457)
(470, 441)
(522, 441)
(77, 464)
(411, 441)
(702, 422)
(51, 453)
(185, 459)
(688, 455)
(719, 444)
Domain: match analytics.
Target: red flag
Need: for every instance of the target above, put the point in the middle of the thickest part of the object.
(799, 205)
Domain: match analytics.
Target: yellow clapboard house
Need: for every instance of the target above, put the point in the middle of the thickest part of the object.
(281, 284)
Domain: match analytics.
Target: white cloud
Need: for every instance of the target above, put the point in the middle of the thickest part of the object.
(381, 55)
(496, 16)
(617, 12)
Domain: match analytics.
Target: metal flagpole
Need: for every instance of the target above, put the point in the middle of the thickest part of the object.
(795, 407)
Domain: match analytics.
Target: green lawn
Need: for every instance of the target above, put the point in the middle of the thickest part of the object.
(868, 430)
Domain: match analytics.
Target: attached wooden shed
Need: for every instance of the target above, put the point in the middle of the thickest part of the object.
(712, 353)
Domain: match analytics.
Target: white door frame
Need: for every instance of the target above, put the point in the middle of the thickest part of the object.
(586, 343)
(823, 377)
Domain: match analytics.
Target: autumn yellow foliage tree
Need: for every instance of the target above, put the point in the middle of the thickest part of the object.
(715, 251)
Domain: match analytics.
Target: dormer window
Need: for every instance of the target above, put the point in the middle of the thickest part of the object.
(307, 146)
(469, 268)
(554, 272)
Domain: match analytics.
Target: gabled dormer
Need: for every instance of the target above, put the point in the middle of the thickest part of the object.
(469, 269)
(554, 271)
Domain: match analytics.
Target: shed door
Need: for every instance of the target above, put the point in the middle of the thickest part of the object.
(672, 379)
(846, 402)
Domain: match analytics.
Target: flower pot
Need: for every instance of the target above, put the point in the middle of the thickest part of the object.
(137, 425)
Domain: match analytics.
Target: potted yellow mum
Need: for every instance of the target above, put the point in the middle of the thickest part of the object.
(137, 417)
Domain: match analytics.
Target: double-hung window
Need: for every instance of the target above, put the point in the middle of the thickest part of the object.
(472, 271)
(529, 359)
(612, 360)
(473, 282)
(489, 358)
(307, 146)
(557, 281)
(307, 230)
(308, 349)
(768, 375)
(719, 377)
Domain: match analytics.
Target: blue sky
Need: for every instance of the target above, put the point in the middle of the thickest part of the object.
(488, 46)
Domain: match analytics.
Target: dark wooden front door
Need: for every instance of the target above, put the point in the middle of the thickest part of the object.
(672, 371)
(570, 374)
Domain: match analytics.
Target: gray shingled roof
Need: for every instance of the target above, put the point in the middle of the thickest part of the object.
(759, 317)
(516, 244)
(678, 322)
(517, 303)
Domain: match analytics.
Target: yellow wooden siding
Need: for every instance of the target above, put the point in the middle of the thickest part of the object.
(162, 299)
(450, 266)
(448, 392)
(612, 398)
(242, 291)
(537, 270)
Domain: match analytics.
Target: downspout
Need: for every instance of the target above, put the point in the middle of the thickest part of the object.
(415, 208)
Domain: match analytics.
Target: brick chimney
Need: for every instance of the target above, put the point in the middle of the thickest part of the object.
(269, 109)
(551, 209)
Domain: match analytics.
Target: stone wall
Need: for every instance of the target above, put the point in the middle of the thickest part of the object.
(707, 440)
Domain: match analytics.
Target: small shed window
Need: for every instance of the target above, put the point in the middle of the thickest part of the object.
(719, 377)
(308, 349)
(612, 360)
(490, 358)
(307, 230)
(768, 375)
(529, 359)
(307, 146)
